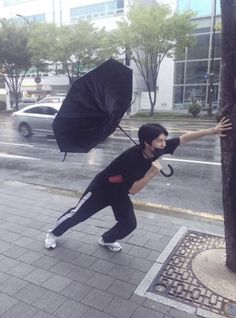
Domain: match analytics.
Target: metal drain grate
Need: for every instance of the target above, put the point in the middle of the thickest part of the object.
(177, 281)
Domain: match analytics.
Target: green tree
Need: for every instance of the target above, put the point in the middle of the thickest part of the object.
(228, 145)
(79, 47)
(150, 34)
(41, 44)
(15, 56)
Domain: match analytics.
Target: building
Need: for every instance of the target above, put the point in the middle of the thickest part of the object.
(197, 69)
(190, 77)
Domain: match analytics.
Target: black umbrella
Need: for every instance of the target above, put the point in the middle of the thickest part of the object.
(93, 107)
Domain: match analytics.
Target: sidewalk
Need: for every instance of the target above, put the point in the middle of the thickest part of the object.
(79, 278)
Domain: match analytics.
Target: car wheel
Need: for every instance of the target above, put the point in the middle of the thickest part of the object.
(24, 130)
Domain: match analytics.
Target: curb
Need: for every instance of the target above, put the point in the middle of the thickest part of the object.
(138, 204)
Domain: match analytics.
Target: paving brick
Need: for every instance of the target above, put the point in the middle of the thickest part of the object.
(80, 274)
(141, 312)
(100, 281)
(62, 268)
(153, 255)
(84, 260)
(30, 293)
(38, 276)
(122, 258)
(98, 299)
(94, 313)
(139, 251)
(45, 262)
(76, 291)
(121, 308)
(3, 277)
(56, 283)
(102, 266)
(21, 270)
(154, 305)
(11, 237)
(6, 302)
(72, 309)
(122, 272)
(64, 254)
(20, 310)
(12, 285)
(138, 240)
(30, 257)
(122, 289)
(15, 251)
(43, 314)
(175, 313)
(88, 249)
(49, 302)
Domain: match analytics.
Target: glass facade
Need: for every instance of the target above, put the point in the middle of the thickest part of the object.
(203, 8)
(13, 2)
(195, 64)
(97, 10)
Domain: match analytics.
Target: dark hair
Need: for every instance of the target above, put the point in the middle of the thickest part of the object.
(148, 132)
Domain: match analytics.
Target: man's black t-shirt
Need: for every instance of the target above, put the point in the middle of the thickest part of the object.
(131, 165)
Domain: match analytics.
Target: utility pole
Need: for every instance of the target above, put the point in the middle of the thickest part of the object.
(212, 60)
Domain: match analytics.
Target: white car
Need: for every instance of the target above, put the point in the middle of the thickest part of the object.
(35, 118)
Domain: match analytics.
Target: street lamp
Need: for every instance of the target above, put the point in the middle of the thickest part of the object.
(211, 75)
(21, 16)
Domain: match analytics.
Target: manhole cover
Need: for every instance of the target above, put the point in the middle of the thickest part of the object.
(177, 281)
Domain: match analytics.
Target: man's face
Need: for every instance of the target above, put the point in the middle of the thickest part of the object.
(159, 142)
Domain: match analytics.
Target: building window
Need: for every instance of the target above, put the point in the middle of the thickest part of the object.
(200, 50)
(179, 73)
(36, 18)
(97, 10)
(196, 72)
(202, 8)
(178, 94)
(195, 93)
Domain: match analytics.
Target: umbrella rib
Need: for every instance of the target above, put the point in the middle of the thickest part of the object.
(127, 135)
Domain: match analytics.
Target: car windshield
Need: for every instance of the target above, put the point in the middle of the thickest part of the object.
(52, 100)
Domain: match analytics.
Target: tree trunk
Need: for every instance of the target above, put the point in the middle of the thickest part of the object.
(228, 144)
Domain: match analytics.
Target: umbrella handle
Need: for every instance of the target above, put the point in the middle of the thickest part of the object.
(167, 174)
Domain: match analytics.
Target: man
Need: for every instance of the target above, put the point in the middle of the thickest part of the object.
(127, 174)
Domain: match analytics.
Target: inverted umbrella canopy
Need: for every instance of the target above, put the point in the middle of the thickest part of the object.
(93, 107)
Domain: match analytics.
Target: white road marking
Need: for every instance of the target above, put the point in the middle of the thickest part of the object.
(193, 161)
(176, 159)
(6, 155)
(15, 144)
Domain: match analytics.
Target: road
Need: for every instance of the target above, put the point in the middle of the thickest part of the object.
(195, 185)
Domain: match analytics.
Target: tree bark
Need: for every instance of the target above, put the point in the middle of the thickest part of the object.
(228, 144)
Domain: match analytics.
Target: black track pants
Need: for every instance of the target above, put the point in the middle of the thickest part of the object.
(93, 200)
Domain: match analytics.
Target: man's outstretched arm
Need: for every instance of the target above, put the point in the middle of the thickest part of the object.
(223, 125)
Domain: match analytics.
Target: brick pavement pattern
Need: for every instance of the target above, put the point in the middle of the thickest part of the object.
(79, 278)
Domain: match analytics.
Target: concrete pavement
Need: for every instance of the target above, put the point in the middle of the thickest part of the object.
(79, 278)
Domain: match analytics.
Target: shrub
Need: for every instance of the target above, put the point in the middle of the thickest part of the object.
(194, 109)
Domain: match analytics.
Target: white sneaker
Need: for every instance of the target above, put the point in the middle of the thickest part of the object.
(50, 240)
(114, 247)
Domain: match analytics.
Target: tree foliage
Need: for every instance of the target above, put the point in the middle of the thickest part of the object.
(42, 37)
(70, 49)
(15, 56)
(151, 33)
